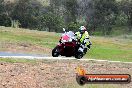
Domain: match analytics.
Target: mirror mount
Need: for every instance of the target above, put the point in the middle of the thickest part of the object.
(64, 29)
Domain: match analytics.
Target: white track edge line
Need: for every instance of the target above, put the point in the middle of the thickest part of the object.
(104, 61)
(61, 58)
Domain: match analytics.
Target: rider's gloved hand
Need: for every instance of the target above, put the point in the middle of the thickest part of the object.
(60, 40)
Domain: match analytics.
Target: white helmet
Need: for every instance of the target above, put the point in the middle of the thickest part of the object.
(82, 29)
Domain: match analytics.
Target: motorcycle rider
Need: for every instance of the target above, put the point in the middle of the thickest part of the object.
(83, 38)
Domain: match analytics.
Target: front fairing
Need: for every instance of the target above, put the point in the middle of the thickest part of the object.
(67, 49)
(67, 37)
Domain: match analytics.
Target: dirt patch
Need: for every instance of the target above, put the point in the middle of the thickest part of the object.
(24, 48)
(55, 73)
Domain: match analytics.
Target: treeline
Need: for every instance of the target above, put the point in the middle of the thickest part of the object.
(99, 16)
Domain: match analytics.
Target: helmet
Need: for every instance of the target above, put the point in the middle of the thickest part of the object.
(82, 29)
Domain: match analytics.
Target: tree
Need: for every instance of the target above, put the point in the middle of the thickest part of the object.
(66, 9)
(74, 26)
(104, 15)
(5, 12)
(1, 6)
(51, 21)
(71, 10)
(27, 12)
(126, 7)
(5, 20)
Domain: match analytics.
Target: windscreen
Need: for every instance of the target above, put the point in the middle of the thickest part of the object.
(70, 34)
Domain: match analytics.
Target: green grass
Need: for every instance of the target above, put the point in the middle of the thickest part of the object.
(17, 60)
(110, 48)
(100, 52)
(33, 37)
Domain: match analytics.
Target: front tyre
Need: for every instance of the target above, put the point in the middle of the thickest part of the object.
(55, 52)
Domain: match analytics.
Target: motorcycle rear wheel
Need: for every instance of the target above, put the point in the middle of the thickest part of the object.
(55, 52)
(79, 55)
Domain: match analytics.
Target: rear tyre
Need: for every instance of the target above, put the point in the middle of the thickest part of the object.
(79, 55)
(85, 51)
(55, 52)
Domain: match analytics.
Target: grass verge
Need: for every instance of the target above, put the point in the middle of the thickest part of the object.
(10, 60)
(110, 48)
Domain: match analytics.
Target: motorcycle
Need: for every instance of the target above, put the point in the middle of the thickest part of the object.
(68, 46)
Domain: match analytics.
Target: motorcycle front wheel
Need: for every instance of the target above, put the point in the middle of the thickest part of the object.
(55, 52)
